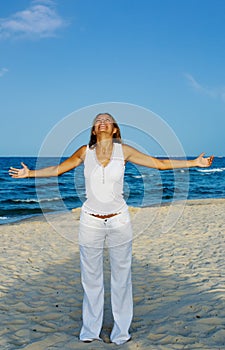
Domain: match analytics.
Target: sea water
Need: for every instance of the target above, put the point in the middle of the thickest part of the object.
(25, 198)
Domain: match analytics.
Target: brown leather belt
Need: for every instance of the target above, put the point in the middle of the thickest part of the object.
(104, 216)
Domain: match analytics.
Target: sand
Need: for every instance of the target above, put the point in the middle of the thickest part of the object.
(178, 281)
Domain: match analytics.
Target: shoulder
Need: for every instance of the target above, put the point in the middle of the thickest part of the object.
(127, 150)
(125, 147)
(80, 152)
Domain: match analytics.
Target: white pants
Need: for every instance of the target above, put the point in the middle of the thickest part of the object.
(116, 232)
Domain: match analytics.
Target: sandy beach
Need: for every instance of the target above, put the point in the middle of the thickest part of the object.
(178, 281)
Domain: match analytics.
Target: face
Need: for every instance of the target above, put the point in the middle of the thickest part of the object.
(104, 123)
(103, 119)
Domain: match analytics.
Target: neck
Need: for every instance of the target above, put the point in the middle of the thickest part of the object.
(104, 143)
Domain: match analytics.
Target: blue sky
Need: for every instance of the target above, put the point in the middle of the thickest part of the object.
(60, 56)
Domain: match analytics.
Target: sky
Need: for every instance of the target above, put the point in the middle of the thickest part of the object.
(58, 57)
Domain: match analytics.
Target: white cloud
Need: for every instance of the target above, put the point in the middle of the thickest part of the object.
(213, 92)
(3, 71)
(39, 20)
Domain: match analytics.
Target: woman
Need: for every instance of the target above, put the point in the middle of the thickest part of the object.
(105, 219)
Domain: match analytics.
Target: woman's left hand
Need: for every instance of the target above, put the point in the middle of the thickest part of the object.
(204, 162)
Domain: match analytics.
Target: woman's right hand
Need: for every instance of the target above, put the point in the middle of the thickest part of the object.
(19, 173)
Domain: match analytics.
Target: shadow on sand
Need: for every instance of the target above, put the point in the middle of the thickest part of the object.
(41, 301)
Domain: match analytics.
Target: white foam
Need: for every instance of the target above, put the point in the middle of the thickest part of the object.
(214, 170)
(34, 200)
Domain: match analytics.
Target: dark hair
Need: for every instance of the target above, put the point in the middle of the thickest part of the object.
(116, 135)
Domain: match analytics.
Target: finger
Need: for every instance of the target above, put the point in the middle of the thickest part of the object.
(13, 172)
(14, 175)
(24, 165)
(210, 160)
(13, 169)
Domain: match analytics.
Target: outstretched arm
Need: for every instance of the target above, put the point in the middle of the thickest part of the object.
(139, 158)
(72, 162)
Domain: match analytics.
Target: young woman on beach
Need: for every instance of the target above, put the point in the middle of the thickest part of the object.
(105, 220)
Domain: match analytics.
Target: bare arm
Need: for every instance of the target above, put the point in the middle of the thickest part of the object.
(139, 158)
(72, 162)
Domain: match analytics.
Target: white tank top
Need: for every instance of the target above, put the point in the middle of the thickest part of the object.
(104, 185)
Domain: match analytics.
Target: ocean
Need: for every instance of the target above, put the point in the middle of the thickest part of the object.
(26, 198)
